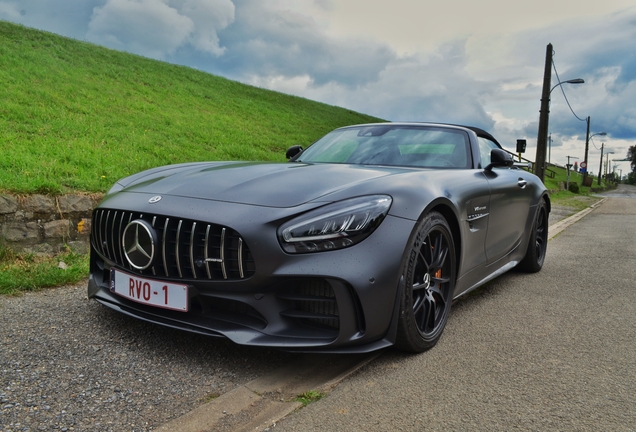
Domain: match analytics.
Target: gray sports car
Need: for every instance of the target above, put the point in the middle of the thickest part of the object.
(359, 242)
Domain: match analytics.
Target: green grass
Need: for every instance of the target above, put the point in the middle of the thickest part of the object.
(576, 201)
(26, 272)
(209, 397)
(309, 397)
(77, 117)
(575, 177)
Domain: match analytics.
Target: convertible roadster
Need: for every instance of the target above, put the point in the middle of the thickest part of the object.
(359, 242)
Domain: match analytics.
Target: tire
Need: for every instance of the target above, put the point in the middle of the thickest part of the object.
(428, 277)
(538, 242)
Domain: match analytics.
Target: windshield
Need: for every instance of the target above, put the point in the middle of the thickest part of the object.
(393, 145)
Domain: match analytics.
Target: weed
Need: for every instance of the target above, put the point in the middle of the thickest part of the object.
(209, 397)
(309, 397)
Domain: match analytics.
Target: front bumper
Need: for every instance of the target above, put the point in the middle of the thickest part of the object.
(337, 301)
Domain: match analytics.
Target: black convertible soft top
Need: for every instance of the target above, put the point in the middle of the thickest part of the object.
(481, 133)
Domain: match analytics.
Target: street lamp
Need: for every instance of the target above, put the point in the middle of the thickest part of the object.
(544, 113)
(572, 81)
(587, 145)
(542, 139)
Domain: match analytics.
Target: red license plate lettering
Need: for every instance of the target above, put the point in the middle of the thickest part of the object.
(149, 291)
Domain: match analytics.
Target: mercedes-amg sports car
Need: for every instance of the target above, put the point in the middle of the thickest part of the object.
(359, 242)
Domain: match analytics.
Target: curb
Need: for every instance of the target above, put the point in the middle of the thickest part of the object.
(557, 228)
(259, 404)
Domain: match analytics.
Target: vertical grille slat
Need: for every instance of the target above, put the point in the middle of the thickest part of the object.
(106, 248)
(194, 229)
(189, 249)
(101, 231)
(206, 254)
(112, 235)
(120, 234)
(176, 249)
(223, 254)
(164, 249)
(95, 230)
(240, 258)
(154, 270)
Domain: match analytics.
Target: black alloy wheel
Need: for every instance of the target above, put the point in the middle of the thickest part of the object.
(538, 242)
(429, 280)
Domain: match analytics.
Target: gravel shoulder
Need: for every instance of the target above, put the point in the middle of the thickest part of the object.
(67, 363)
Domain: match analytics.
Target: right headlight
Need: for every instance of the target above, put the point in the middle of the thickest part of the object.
(334, 226)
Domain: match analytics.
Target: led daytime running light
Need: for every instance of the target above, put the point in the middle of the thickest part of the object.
(335, 226)
(331, 226)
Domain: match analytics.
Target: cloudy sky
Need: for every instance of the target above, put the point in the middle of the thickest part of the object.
(458, 61)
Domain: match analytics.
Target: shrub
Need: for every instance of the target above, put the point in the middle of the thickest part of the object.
(574, 187)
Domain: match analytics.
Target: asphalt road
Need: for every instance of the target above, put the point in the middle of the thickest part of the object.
(548, 351)
(554, 350)
(623, 191)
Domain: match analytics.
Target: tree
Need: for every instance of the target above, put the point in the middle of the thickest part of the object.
(631, 155)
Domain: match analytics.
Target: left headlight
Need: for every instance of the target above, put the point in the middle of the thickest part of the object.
(334, 226)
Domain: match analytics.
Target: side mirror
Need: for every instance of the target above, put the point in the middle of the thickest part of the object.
(499, 158)
(293, 152)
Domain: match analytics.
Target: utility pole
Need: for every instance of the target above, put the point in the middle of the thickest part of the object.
(587, 147)
(544, 113)
(607, 165)
(600, 167)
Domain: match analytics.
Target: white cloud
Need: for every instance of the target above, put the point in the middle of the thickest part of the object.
(157, 28)
(208, 16)
(410, 61)
(271, 42)
(68, 17)
(147, 27)
(9, 11)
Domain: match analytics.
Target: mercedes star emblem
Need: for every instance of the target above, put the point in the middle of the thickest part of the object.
(139, 241)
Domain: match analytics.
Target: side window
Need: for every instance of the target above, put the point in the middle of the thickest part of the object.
(485, 146)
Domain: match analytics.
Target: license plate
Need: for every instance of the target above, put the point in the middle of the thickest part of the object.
(149, 292)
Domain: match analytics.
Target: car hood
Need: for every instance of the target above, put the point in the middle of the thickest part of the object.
(263, 184)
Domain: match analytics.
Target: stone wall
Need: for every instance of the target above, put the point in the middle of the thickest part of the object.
(43, 224)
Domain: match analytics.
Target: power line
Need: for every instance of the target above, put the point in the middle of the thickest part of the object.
(563, 91)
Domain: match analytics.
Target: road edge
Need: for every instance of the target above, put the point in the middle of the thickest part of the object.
(560, 226)
(264, 401)
(268, 399)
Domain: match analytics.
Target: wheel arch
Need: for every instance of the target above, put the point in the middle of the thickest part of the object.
(447, 210)
(548, 203)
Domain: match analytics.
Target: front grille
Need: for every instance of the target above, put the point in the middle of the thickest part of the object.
(313, 303)
(187, 249)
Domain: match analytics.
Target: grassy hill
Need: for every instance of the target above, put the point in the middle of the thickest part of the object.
(76, 117)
